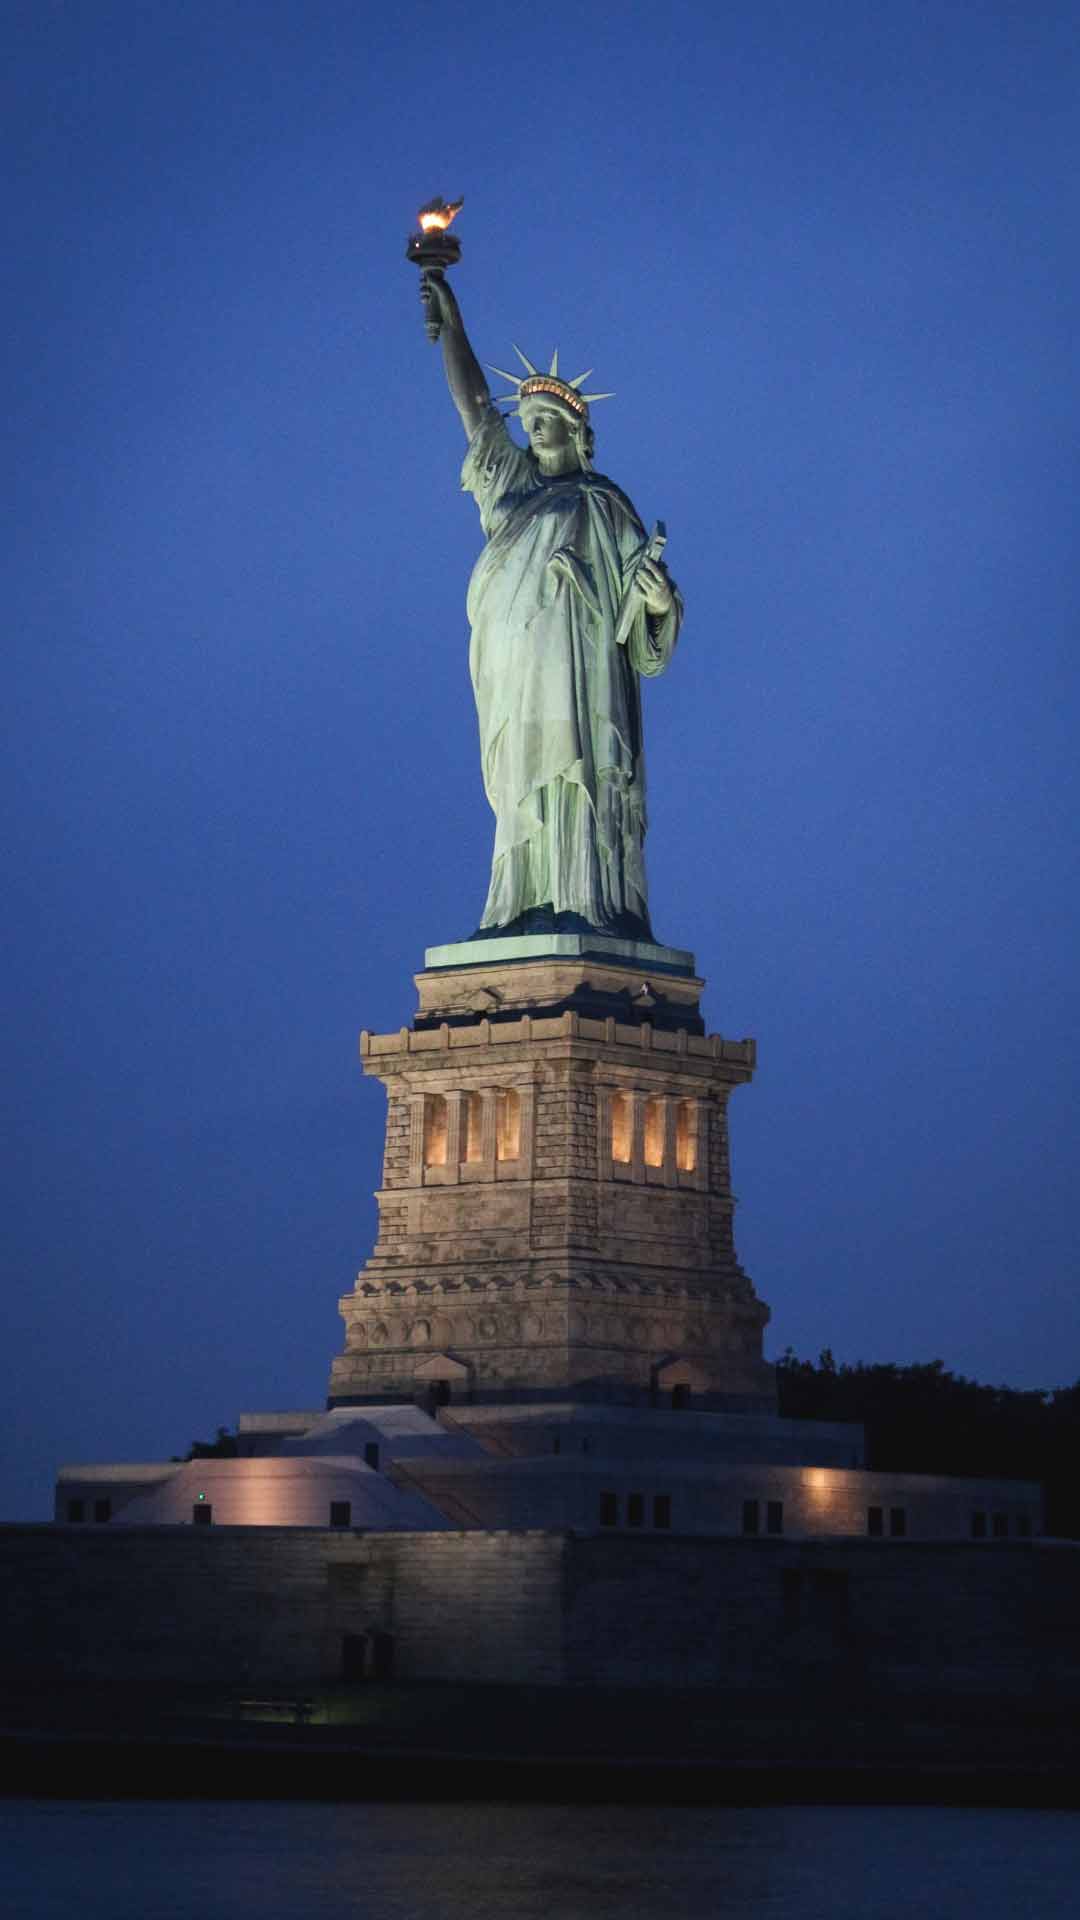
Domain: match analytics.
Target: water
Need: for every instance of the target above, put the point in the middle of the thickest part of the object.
(214, 1860)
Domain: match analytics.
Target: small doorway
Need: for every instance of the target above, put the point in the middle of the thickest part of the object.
(354, 1656)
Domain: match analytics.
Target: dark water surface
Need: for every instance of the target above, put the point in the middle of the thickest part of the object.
(138, 1861)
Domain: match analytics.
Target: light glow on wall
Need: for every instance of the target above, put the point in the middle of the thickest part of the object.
(686, 1136)
(621, 1128)
(508, 1124)
(654, 1133)
(435, 1130)
(472, 1149)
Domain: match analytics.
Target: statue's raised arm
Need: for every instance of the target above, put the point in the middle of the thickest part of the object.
(464, 374)
(570, 606)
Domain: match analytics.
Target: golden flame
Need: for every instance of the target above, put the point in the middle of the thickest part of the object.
(437, 215)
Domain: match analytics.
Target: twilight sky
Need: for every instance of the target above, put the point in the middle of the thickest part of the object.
(825, 252)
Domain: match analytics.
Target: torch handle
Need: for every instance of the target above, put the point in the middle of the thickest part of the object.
(433, 323)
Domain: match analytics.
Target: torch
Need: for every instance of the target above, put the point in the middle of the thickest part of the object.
(432, 248)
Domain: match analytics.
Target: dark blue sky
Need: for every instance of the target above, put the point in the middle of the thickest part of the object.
(826, 254)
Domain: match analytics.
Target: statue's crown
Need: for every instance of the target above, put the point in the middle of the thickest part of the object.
(536, 382)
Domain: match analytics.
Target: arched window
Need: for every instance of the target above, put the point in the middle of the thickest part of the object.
(621, 1128)
(435, 1130)
(654, 1133)
(508, 1124)
(686, 1136)
(471, 1132)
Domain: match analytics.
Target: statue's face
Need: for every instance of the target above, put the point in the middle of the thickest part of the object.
(547, 427)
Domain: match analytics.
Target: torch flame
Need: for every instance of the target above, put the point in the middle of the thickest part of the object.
(437, 215)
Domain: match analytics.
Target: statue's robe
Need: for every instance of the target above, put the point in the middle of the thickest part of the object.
(557, 701)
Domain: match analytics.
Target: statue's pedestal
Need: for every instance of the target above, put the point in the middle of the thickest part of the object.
(546, 972)
(555, 1216)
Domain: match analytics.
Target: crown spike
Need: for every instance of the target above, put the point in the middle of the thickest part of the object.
(524, 358)
(554, 367)
(580, 378)
(503, 375)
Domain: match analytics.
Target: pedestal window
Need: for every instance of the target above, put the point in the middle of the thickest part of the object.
(622, 1128)
(436, 1129)
(686, 1136)
(654, 1133)
(472, 1145)
(508, 1124)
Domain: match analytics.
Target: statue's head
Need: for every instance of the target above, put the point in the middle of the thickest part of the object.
(544, 397)
(551, 425)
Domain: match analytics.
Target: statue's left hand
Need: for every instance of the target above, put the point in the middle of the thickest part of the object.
(652, 582)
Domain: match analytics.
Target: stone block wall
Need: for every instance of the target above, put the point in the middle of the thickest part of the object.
(948, 1618)
(179, 1605)
(267, 1608)
(482, 1607)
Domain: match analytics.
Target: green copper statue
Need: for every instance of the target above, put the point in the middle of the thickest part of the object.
(569, 604)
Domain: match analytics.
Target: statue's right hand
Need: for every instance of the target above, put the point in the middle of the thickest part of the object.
(438, 301)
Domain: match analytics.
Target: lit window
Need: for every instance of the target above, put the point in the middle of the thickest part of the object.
(654, 1133)
(508, 1124)
(472, 1130)
(435, 1130)
(686, 1136)
(622, 1124)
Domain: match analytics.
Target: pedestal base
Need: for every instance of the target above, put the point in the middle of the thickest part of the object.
(556, 1207)
(495, 950)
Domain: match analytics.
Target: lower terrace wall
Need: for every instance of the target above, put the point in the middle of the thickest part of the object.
(858, 1615)
(261, 1608)
(266, 1607)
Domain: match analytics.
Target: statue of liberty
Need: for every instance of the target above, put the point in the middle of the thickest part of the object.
(569, 606)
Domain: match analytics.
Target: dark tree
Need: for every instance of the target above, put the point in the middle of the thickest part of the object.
(223, 1446)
